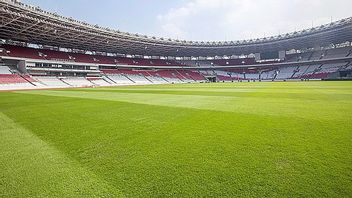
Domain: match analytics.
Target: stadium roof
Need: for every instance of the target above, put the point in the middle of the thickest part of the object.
(30, 24)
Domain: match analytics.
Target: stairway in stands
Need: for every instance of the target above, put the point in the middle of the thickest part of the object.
(28, 78)
(310, 56)
(128, 78)
(349, 53)
(65, 82)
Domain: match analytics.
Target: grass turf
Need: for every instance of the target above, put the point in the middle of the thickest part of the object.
(196, 140)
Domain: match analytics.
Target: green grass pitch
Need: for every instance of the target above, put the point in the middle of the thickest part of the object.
(290, 139)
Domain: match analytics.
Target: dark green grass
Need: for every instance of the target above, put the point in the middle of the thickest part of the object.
(203, 140)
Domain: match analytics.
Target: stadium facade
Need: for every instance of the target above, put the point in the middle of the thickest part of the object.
(40, 49)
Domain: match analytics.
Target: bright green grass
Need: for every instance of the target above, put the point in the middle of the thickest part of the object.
(199, 140)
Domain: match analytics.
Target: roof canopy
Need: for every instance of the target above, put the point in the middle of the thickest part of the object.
(30, 24)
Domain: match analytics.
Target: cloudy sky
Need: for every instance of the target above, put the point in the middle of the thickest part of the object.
(202, 19)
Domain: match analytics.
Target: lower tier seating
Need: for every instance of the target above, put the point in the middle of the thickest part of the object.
(11, 79)
(51, 81)
(77, 81)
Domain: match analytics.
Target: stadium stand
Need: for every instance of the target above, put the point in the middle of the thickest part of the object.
(77, 81)
(130, 59)
(51, 81)
(5, 70)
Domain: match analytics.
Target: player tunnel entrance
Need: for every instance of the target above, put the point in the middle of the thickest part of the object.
(211, 78)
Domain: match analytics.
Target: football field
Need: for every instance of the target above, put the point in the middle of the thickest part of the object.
(282, 139)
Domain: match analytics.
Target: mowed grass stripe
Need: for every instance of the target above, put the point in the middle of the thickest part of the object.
(32, 168)
(294, 106)
(335, 95)
(283, 87)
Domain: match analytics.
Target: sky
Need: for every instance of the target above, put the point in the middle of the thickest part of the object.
(210, 20)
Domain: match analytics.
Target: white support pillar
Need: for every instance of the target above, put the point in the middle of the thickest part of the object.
(282, 55)
(257, 56)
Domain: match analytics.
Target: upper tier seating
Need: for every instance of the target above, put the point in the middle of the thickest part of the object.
(240, 61)
(338, 52)
(320, 55)
(43, 54)
(23, 52)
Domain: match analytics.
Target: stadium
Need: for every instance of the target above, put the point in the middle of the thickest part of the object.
(90, 111)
